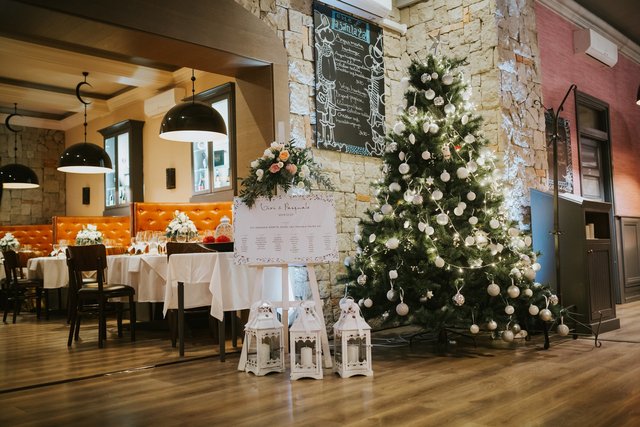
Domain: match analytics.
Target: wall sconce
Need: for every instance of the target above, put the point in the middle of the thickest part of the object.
(86, 195)
(171, 178)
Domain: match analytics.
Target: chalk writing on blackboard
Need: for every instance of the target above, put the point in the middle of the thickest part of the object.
(349, 83)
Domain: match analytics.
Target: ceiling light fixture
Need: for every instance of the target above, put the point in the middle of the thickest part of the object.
(84, 157)
(193, 121)
(17, 176)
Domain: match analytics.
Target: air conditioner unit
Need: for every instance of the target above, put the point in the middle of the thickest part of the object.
(372, 10)
(163, 102)
(595, 45)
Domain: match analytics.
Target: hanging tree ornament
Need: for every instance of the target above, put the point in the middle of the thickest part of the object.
(429, 94)
(426, 155)
(434, 75)
(386, 209)
(464, 119)
(372, 238)
(469, 241)
(412, 139)
(474, 329)
(527, 293)
(470, 139)
(534, 310)
(473, 220)
(449, 109)
(438, 100)
(545, 314)
(493, 289)
(494, 223)
(447, 79)
(368, 303)
(362, 278)
(492, 325)
(404, 168)
(426, 77)
(458, 298)
(442, 219)
(507, 335)
(392, 243)
(413, 110)
(394, 186)
(513, 291)
(434, 128)
(508, 309)
(444, 176)
(418, 199)
(462, 173)
(437, 195)
(402, 309)
(439, 262)
(472, 166)
(516, 329)
(562, 328)
(471, 196)
(393, 274)
(446, 152)
(378, 217)
(422, 226)
(399, 127)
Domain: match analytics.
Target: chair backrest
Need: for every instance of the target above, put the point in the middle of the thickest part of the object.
(11, 265)
(87, 258)
(186, 248)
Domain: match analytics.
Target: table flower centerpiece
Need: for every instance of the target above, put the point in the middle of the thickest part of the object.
(9, 243)
(89, 235)
(181, 225)
(282, 166)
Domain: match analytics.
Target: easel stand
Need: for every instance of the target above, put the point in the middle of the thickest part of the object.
(285, 304)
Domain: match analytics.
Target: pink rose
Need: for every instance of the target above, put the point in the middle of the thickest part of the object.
(274, 168)
(291, 168)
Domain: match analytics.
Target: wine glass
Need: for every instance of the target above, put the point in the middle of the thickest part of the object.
(181, 237)
(162, 243)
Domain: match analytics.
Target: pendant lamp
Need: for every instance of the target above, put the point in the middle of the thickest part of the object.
(84, 157)
(638, 97)
(14, 175)
(193, 121)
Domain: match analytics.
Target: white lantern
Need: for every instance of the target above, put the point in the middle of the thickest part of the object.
(263, 338)
(304, 339)
(352, 342)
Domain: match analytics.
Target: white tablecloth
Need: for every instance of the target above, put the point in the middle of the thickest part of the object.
(147, 274)
(195, 271)
(53, 271)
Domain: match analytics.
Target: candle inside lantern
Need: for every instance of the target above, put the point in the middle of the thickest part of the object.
(264, 352)
(306, 357)
(353, 355)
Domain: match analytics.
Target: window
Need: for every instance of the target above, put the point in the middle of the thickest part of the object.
(213, 163)
(123, 143)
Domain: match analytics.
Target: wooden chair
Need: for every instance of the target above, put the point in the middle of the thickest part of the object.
(18, 290)
(176, 326)
(95, 298)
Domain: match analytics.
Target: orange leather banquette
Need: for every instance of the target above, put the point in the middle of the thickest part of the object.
(115, 228)
(156, 216)
(39, 237)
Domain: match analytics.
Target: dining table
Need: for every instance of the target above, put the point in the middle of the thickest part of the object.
(147, 274)
(52, 271)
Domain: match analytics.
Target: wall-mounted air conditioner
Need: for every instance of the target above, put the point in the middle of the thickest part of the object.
(163, 102)
(595, 45)
(372, 10)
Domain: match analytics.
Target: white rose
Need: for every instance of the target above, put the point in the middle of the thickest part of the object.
(275, 144)
(305, 169)
(259, 173)
(300, 184)
(255, 164)
(268, 154)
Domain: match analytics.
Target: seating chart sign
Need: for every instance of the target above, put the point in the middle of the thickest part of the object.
(285, 230)
(349, 83)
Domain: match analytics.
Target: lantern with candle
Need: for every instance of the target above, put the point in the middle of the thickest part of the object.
(263, 338)
(352, 342)
(306, 361)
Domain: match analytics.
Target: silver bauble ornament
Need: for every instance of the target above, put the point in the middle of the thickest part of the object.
(507, 336)
(515, 273)
(429, 94)
(392, 295)
(403, 168)
(534, 310)
(434, 75)
(361, 302)
(536, 266)
(425, 78)
(439, 262)
(445, 177)
(493, 289)
(392, 243)
(362, 279)
(372, 238)
(545, 314)
(458, 211)
(513, 232)
(494, 223)
(413, 110)
(442, 219)
(474, 329)
(399, 127)
(368, 303)
(422, 226)
(469, 139)
(563, 329)
(469, 240)
(471, 196)
(449, 108)
(509, 310)
(528, 241)
(438, 100)
(472, 166)
(394, 186)
(458, 298)
(513, 291)
(462, 173)
(446, 152)
(516, 329)
(401, 155)
(402, 309)
(418, 199)
(426, 155)
(464, 119)
(529, 273)
(528, 293)
(434, 128)
(492, 325)
(378, 217)
(386, 209)
(437, 195)
(393, 274)
(429, 230)
(473, 220)
(412, 139)
(447, 79)
(553, 300)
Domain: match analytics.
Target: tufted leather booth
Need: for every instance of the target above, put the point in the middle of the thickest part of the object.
(39, 236)
(116, 228)
(156, 216)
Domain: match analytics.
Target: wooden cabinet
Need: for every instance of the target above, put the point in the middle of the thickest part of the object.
(586, 256)
(629, 250)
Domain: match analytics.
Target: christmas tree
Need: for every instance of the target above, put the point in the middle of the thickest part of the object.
(438, 248)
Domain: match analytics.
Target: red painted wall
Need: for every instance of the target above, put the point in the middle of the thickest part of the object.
(616, 86)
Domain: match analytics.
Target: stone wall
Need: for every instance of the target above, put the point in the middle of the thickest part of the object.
(38, 149)
(498, 39)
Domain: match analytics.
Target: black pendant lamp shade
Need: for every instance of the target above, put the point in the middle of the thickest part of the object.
(15, 176)
(193, 121)
(84, 157)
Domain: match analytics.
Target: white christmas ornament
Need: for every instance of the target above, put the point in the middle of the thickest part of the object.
(445, 177)
(368, 303)
(394, 186)
(458, 298)
(536, 266)
(361, 302)
(429, 230)
(515, 273)
(439, 262)
(449, 109)
(462, 173)
(446, 152)
(509, 310)
(407, 224)
(399, 127)
(528, 241)
(545, 314)
(437, 195)
(464, 119)
(393, 274)
(434, 128)
(474, 329)
(412, 139)
(392, 243)
(408, 195)
(516, 329)
(429, 94)
(493, 289)
(422, 226)
(403, 168)
(417, 199)
(481, 239)
(507, 336)
(372, 238)
(471, 196)
(472, 166)
(392, 295)
(513, 291)
(438, 100)
(528, 293)
(434, 75)
(386, 209)
(402, 309)
(447, 79)
(413, 110)
(553, 300)
(442, 219)
(401, 155)
(378, 217)
(513, 232)
(426, 155)
(362, 279)
(469, 240)
(529, 273)
(533, 310)
(469, 139)
(492, 325)
(473, 220)
(425, 78)
(563, 329)
(494, 223)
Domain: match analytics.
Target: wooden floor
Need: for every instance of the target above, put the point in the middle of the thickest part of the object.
(146, 383)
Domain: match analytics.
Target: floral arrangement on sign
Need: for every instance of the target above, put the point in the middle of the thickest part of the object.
(89, 235)
(9, 242)
(284, 166)
(181, 224)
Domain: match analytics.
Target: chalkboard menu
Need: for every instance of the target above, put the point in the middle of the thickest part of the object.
(349, 83)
